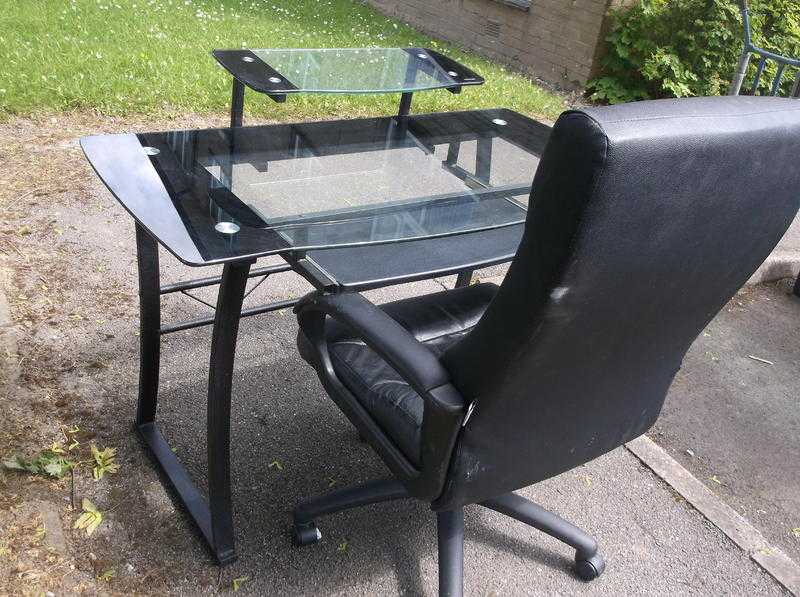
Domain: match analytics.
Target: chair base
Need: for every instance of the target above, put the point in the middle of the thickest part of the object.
(305, 531)
(306, 534)
(450, 542)
(590, 568)
(589, 564)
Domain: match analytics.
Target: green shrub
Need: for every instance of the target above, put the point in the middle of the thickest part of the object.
(679, 48)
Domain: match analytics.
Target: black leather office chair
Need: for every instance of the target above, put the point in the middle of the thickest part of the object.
(645, 220)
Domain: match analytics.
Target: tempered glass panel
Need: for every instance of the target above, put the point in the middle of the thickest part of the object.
(336, 183)
(363, 70)
(221, 194)
(398, 193)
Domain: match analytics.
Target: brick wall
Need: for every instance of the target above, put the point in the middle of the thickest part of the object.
(557, 40)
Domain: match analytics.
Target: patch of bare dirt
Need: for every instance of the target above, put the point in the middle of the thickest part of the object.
(66, 325)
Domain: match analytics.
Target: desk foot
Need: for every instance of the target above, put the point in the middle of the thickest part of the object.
(186, 491)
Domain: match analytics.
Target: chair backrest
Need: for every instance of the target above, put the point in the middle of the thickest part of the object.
(644, 220)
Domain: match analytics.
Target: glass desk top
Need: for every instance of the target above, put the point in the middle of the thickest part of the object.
(221, 195)
(345, 70)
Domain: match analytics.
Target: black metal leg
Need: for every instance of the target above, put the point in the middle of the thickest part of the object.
(149, 353)
(450, 538)
(223, 349)
(589, 564)
(483, 167)
(372, 492)
(452, 153)
(149, 326)
(464, 278)
(405, 104)
(483, 159)
(237, 103)
(214, 518)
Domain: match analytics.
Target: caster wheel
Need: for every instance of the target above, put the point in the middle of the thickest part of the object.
(590, 568)
(306, 533)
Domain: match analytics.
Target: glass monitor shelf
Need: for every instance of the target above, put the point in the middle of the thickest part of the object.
(278, 72)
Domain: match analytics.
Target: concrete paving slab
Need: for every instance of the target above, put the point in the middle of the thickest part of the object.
(733, 421)
(53, 539)
(784, 262)
(726, 519)
(8, 342)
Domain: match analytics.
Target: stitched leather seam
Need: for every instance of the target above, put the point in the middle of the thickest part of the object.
(695, 116)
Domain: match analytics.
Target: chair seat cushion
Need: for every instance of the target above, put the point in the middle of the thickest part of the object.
(438, 321)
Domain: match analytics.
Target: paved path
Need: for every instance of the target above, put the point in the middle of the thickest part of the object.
(785, 259)
(740, 417)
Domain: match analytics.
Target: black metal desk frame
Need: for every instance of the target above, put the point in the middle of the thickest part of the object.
(214, 517)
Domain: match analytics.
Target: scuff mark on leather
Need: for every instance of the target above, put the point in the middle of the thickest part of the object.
(472, 467)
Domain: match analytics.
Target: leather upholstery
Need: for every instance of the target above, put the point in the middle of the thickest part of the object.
(437, 320)
(645, 219)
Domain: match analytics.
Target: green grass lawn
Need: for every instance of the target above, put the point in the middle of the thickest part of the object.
(153, 57)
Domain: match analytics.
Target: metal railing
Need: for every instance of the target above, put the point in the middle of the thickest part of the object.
(764, 56)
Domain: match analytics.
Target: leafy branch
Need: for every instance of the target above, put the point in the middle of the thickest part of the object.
(679, 48)
(104, 462)
(50, 463)
(62, 458)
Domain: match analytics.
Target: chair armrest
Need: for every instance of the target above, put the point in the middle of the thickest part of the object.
(444, 407)
(409, 357)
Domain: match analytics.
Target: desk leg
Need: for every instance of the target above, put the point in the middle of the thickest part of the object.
(483, 168)
(483, 160)
(237, 103)
(405, 103)
(452, 153)
(149, 326)
(223, 348)
(215, 517)
(465, 277)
